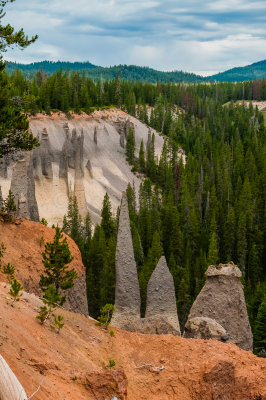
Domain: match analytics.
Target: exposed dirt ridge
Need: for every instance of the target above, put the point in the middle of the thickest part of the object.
(24, 241)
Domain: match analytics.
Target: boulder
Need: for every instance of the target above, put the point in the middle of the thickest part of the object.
(205, 328)
(222, 300)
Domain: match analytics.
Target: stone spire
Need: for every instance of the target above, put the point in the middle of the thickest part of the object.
(1, 199)
(127, 293)
(161, 300)
(122, 139)
(222, 300)
(63, 159)
(45, 153)
(95, 135)
(22, 183)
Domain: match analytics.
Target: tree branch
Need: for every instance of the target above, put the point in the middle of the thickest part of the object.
(37, 390)
(150, 365)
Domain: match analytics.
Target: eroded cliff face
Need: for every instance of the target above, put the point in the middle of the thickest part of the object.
(83, 155)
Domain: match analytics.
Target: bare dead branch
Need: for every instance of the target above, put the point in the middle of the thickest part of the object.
(150, 365)
(37, 390)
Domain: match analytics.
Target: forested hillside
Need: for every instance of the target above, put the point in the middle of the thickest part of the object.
(240, 74)
(127, 72)
(205, 209)
(142, 74)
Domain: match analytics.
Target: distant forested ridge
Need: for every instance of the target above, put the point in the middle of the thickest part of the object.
(127, 72)
(143, 74)
(240, 74)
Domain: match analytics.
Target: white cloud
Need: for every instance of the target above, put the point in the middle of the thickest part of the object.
(164, 34)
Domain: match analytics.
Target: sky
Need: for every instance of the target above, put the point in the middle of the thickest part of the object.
(204, 36)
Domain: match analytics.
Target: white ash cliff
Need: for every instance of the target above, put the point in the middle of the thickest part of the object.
(83, 155)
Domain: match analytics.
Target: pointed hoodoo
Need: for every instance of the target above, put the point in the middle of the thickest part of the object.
(95, 135)
(222, 300)
(122, 139)
(46, 157)
(161, 300)
(127, 293)
(22, 183)
(10, 387)
(1, 199)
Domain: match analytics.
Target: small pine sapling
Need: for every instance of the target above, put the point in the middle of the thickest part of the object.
(106, 315)
(9, 270)
(51, 301)
(112, 333)
(43, 222)
(9, 206)
(111, 364)
(15, 290)
(2, 250)
(58, 323)
(15, 286)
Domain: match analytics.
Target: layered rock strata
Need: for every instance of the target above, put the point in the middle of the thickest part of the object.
(222, 300)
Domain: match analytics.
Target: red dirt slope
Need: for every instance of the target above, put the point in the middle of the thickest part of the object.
(73, 361)
(24, 241)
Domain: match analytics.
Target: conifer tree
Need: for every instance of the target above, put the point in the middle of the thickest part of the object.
(260, 329)
(141, 157)
(56, 258)
(130, 146)
(107, 222)
(14, 133)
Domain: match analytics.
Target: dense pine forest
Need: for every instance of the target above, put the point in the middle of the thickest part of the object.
(207, 207)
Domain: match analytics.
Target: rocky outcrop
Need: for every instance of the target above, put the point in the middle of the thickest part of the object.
(10, 387)
(127, 293)
(1, 198)
(161, 313)
(222, 300)
(61, 150)
(3, 166)
(205, 328)
(46, 155)
(63, 158)
(161, 300)
(23, 187)
(95, 135)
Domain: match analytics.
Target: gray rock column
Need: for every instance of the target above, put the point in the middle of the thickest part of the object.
(1, 199)
(23, 183)
(63, 158)
(95, 135)
(222, 299)
(45, 153)
(127, 293)
(161, 300)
